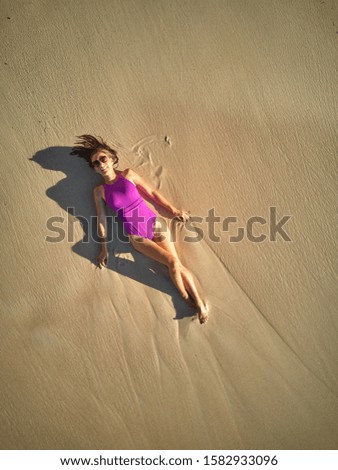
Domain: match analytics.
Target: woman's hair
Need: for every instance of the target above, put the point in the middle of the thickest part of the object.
(87, 145)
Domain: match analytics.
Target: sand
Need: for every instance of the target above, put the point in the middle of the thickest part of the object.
(224, 105)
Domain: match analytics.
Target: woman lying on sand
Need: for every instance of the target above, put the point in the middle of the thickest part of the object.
(121, 192)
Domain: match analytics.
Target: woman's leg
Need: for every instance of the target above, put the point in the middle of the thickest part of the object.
(163, 239)
(154, 251)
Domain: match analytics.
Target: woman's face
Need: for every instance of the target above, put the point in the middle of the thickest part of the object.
(102, 162)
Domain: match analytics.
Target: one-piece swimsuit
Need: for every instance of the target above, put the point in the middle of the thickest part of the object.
(123, 197)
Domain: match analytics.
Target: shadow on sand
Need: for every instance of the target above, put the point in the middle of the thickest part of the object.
(74, 195)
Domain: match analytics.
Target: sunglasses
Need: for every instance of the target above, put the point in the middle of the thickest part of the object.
(96, 163)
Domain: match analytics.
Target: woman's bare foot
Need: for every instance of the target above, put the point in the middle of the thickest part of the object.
(202, 313)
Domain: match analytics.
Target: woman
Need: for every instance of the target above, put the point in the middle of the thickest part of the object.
(121, 192)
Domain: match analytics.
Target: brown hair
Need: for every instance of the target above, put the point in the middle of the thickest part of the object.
(87, 145)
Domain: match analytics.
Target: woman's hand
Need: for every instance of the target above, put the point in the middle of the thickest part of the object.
(102, 258)
(181, 215)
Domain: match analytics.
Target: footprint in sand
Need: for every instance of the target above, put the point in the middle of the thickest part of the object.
(167, 140)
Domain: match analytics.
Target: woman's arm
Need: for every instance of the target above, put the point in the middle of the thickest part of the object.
(154, 195)
(101, 225)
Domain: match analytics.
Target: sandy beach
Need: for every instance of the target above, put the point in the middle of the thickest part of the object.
(228, 107)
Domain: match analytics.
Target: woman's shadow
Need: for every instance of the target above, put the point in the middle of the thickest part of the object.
(74, 195)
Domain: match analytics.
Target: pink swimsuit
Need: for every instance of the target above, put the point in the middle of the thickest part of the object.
(123, 197)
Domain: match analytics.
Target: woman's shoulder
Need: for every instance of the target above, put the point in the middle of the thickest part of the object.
(127, 172)
(98, 191)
